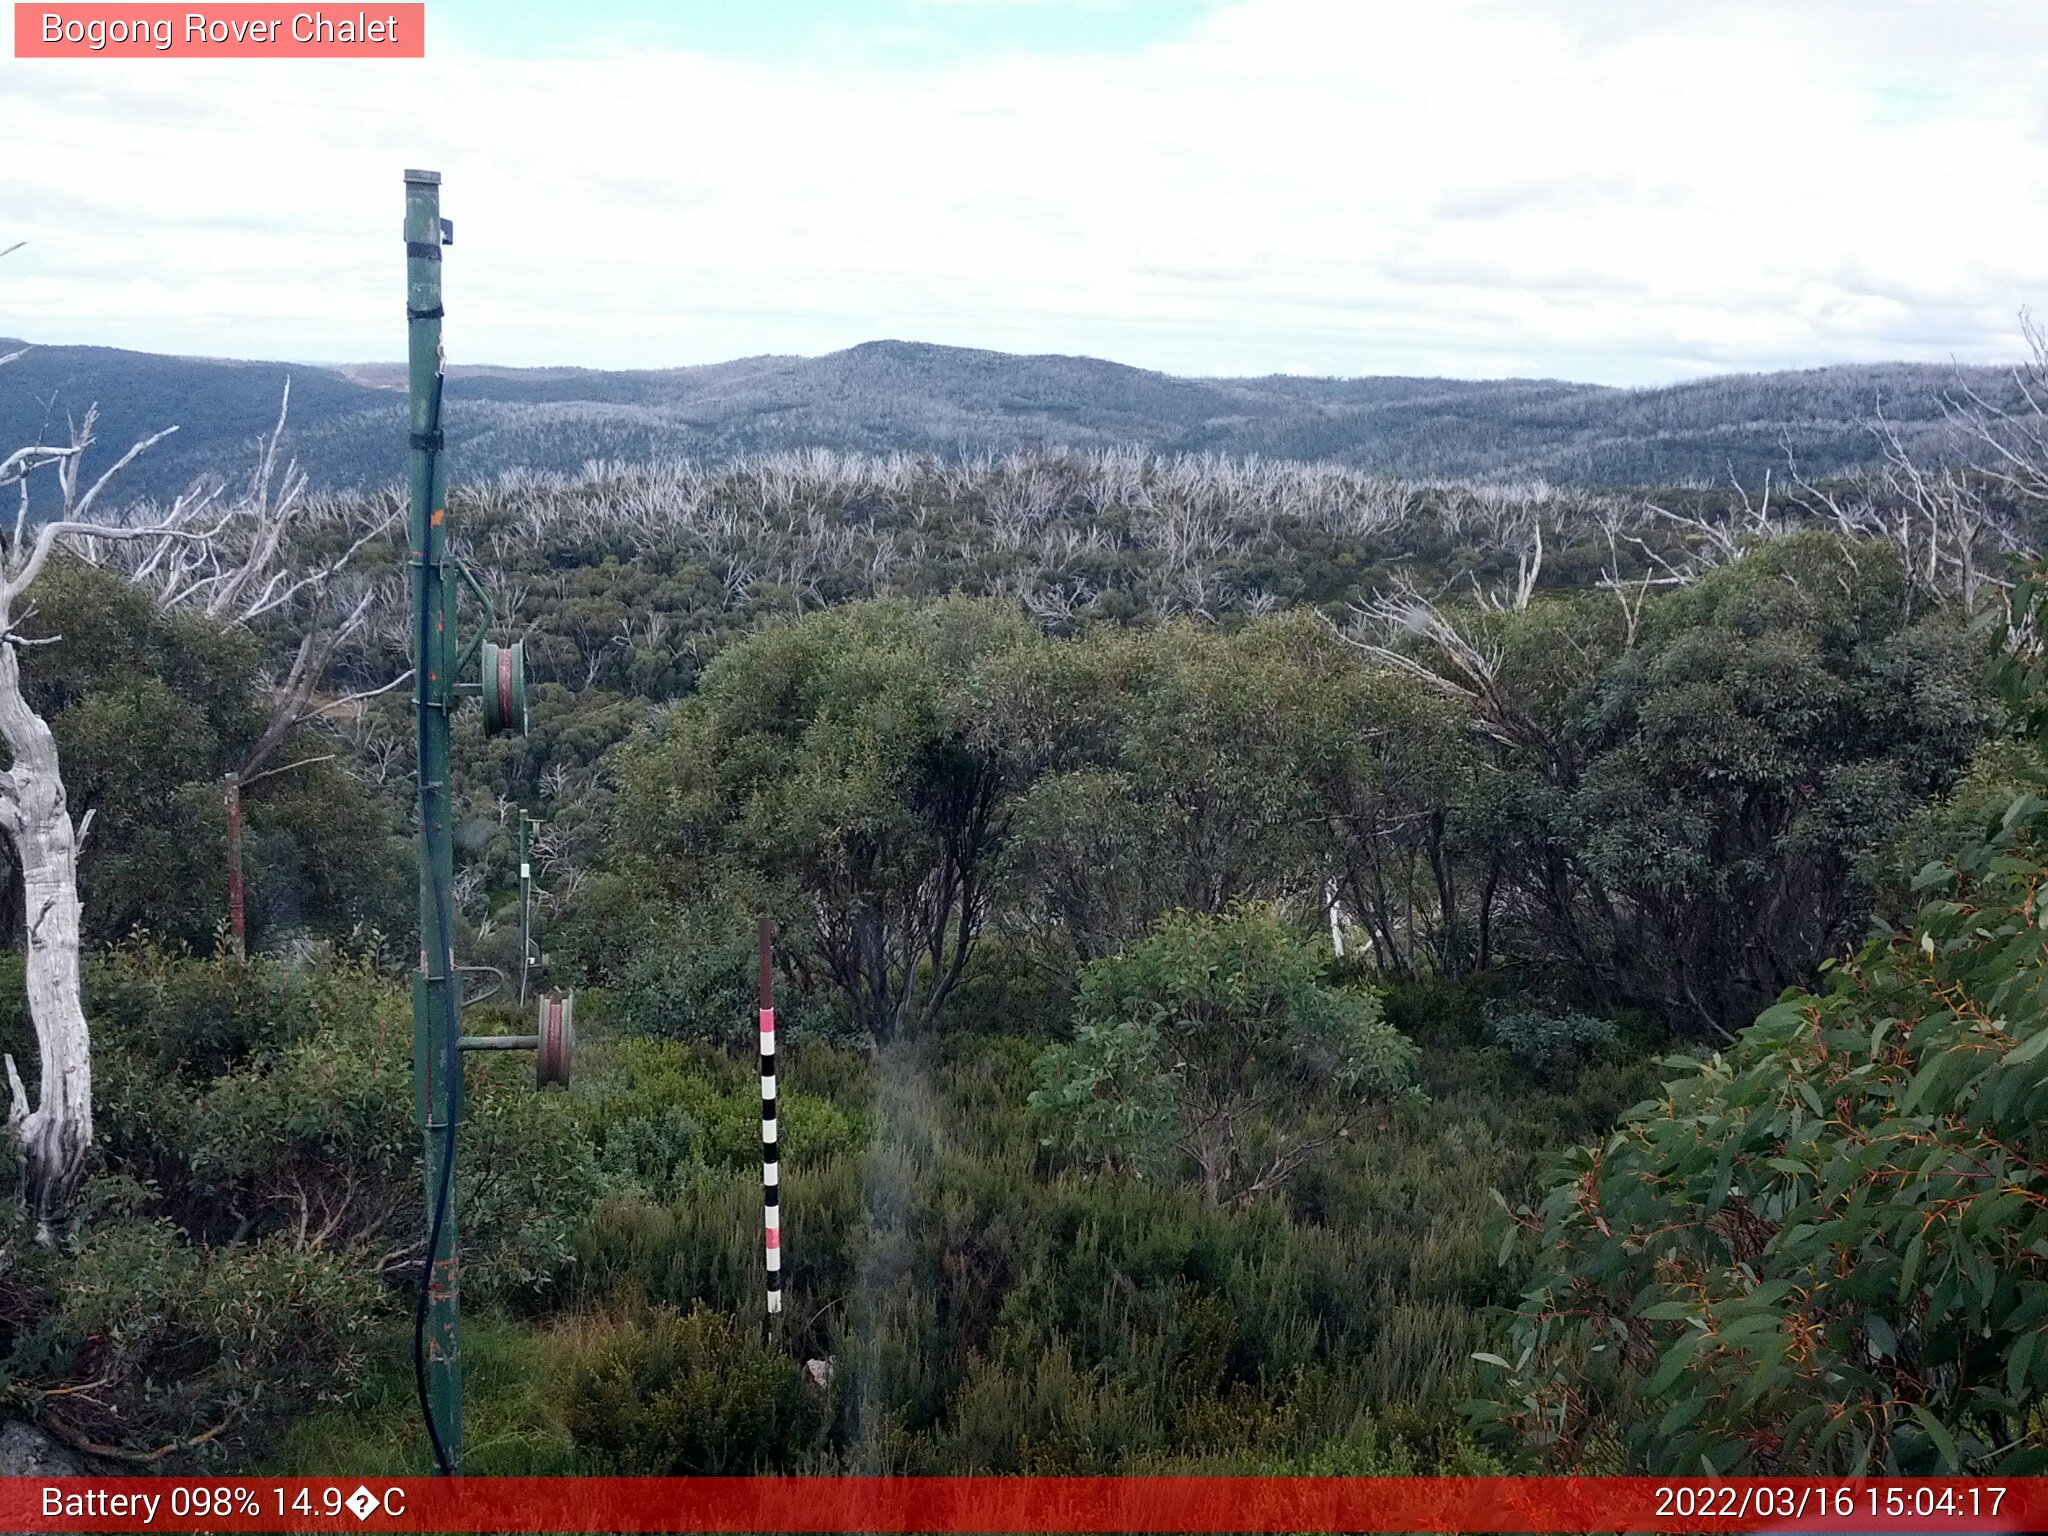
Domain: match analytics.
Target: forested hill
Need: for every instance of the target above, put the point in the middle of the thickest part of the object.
(884, 395)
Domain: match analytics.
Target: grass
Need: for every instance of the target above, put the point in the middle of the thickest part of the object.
(511, 1420)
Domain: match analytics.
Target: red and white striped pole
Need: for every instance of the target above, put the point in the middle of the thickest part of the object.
(771, 1169)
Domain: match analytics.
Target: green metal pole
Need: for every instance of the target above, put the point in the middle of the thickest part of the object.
(437, 1063)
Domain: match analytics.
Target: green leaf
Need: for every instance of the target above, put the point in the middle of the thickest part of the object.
(2021, 1362)
(2025, 1052)
(1680, 1414)
(1944, 1442)
(1743, 1327)
(1675, 1360)
(1928, 1075)
(1909, 1271)
(1669, 1311)
(1932, 874)
(2032, 1309)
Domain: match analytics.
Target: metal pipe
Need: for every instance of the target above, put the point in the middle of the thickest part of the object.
(498, 1043)
(437, 1063)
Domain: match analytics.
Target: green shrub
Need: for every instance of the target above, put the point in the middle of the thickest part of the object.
(253, 1100)
(165, 1343)
(657, 1110)
(193, 1018)
(259, 1191)
(529, 1181)
(1823, 1250)
(1216, 1045)
(1050, 1416)
(698, 979)
(671, 1394)
(1552, 1045)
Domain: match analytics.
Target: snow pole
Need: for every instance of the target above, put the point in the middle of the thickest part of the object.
(771, 1163)
(526, 824)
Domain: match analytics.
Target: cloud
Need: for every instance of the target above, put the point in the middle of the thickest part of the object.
(1583, 189)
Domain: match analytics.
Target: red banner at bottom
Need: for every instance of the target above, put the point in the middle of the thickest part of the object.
(1018, 1504)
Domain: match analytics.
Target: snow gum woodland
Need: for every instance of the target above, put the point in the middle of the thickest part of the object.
(1279, 968)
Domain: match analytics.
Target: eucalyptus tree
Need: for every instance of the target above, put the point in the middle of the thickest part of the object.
(856, 772)
(1214, 1046)
(1681, 794)
(1822, 1249)
(1200, 767)
(288, 566)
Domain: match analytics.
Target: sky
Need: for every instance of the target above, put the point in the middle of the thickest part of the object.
(1619, 191)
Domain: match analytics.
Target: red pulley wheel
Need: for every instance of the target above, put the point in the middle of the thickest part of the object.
(557, 1040)
(504, 688)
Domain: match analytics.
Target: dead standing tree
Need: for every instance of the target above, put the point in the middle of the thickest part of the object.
(54, 1135)
(1955, 523)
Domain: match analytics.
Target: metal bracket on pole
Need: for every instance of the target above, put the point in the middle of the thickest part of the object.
(553, 1046)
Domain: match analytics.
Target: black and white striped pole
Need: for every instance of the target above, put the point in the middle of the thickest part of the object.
(771, 1163)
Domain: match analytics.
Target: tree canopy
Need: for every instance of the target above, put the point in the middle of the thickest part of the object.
(1822, 1250)
(1215, 1044)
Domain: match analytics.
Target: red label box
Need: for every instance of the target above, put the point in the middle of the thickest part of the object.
(966, 1506)
(232, 31)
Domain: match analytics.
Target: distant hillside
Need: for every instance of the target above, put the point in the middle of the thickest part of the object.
(347, 421)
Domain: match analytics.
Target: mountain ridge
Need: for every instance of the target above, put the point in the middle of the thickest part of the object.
(347, 427)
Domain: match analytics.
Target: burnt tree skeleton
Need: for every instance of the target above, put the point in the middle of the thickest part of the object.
(228, 564)
(54, 1134)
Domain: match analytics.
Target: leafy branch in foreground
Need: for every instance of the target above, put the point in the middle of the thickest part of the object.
(1825, 1250)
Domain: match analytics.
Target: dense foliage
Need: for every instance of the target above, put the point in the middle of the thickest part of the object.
(1692, 830)
(257, 1197)
(1216, 1044)
(852, 774)
(1822, 1250)
(1685, 821)
(1148, 843)
(150, 714)
(976, 1307)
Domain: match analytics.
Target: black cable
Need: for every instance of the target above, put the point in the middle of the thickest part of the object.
(444, 946)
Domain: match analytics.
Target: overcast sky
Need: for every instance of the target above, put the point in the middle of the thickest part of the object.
(1628, 192)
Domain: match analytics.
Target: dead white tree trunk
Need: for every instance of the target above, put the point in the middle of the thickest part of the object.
(52, 1136)
(1464, 660)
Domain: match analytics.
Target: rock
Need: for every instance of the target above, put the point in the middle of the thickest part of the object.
(818, 1376)
(26, 1451)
